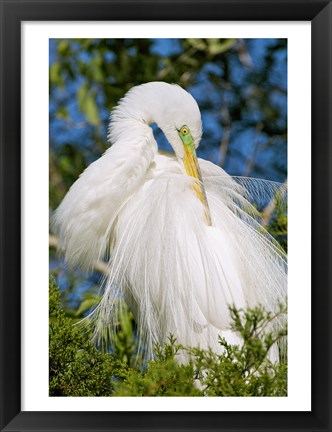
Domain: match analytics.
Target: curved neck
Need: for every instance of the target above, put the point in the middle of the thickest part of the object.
(142, 106)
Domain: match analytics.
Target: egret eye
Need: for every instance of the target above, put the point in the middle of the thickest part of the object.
(184, 130)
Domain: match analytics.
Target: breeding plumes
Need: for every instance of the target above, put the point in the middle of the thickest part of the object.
(180, 237)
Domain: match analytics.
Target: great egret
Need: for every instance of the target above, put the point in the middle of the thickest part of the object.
(181, 240)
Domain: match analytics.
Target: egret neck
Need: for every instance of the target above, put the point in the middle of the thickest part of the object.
(191, 166)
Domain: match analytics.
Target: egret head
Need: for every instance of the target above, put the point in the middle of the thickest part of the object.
(177, 114)
(167, 105)
(178, 109)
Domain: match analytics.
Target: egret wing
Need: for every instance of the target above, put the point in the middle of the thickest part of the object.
(85, 218)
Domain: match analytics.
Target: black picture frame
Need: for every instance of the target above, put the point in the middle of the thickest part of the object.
(13, 12)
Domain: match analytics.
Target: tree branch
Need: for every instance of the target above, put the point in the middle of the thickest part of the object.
(99, 266)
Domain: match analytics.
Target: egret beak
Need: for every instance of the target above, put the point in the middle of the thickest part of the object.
(192, 168)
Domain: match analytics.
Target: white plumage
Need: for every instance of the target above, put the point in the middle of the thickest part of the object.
(141, 211)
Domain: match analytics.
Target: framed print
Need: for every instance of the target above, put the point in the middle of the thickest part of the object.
(43, 42)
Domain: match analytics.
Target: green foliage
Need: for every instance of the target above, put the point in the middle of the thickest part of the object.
(245, 370)
(77, 368)
(164, 376)
(278, 228)
(278, 221)
(125, 343)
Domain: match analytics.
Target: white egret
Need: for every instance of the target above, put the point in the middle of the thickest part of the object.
(181, 240)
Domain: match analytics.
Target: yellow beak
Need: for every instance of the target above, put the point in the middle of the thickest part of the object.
(192, 168)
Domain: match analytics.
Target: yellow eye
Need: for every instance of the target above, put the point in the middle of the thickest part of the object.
(184, 131)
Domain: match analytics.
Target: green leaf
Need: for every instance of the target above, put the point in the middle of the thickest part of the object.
(199, 44)
(218, 46)
(191, 61)
(62, 113)
(86, 305)
(81, 95)
(55, 74)
(125, 321)
(87, 104)
(90, 109)
(63, 48)
(97, 69)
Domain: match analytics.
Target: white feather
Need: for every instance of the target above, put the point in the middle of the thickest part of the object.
(138, 208)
